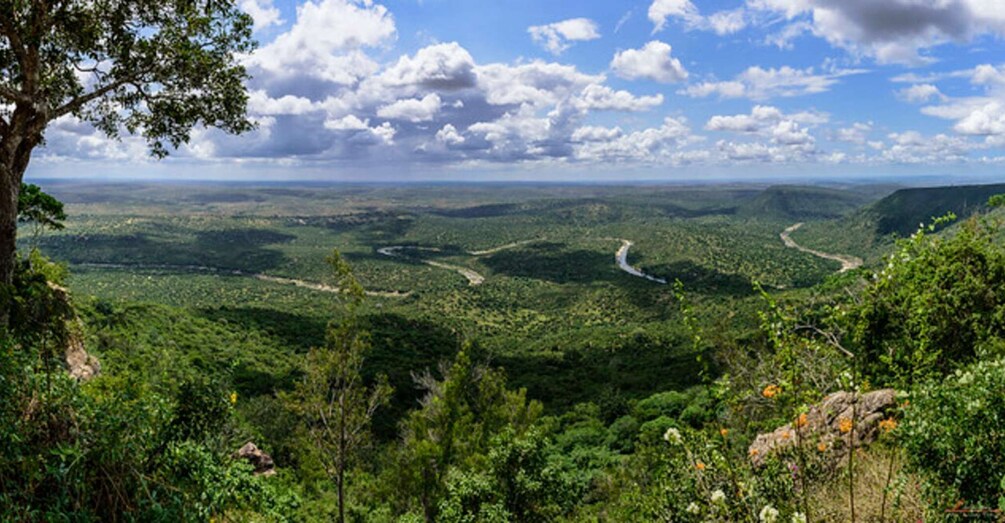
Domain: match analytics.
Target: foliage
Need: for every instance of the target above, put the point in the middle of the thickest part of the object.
(938, 303)
(39, 209)
(951, 434)
(159, 68)
(335, 406)
(454, 428)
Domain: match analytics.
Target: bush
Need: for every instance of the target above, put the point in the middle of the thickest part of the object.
(952, 434)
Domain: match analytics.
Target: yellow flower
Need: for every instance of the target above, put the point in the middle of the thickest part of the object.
(724, 432)
(845, 425)
(801, 421)
(771, 391)
(233, 398)
(754, 452)
(888, 425)
(786, 435)
(822, 447)
(699, 466)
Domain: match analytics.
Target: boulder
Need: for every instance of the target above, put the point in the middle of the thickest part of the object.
(261, 461)
(81, 365)
(826, 425)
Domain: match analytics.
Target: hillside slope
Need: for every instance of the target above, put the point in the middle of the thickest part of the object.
(797, 203)
(869, 231)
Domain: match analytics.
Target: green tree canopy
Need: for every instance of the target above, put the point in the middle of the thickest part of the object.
(156, 68)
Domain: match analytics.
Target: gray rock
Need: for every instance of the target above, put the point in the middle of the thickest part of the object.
(261, 461)
(823, 424)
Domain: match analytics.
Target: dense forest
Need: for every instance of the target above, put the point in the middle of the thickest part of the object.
(875, 395)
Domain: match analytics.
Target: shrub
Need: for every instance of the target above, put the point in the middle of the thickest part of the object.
(952, 434)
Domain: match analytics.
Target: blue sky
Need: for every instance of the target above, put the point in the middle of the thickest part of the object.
(597, 90)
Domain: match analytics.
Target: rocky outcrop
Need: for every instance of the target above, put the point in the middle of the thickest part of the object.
(827, 426)
(79, 363)
(261, 461)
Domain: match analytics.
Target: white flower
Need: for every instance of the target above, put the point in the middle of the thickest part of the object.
(718, 496)
(769, 514)
(798, 517)
(672, 435)
(693, 508)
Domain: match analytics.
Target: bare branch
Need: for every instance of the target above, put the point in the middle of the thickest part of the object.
(829, 337)
(84, 99)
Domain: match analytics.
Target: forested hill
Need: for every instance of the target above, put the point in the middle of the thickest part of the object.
(796, 203)
(903, 211)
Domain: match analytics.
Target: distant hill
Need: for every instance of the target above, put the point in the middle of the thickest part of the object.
(796, 203)
(903, 211)
(868, 232)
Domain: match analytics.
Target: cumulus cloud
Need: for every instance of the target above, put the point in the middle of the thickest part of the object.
(603, 98)
(982, 115)
(414, 110)
(351, 123)
(920, 93)
(653, 62)
(537, 83)
(557, 37)
(912, 147)
(895, 31)
(656, 143)
(757, 83)
(449, 135)
(770, 135)
(857, 134)
(447, 67)
(262, 12)
(325, 44)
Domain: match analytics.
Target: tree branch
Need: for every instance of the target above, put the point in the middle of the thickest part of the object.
(8, 29)
(84, 99)
(12, 95)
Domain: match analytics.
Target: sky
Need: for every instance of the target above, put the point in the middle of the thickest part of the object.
(589, 90)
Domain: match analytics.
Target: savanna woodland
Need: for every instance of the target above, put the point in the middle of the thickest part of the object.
(465, 353)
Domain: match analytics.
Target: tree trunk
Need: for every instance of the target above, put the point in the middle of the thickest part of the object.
(10, 188)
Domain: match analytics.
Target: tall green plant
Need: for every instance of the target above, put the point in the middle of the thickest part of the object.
(336, 405)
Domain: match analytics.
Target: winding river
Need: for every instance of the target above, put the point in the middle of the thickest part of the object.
(622, 258)
(473, 277)
(848, 262)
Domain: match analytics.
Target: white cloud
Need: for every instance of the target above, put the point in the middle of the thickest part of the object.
(761, 119)
(603, 98)
(894, 31)
(728, 22)
(858, 133)
(757, 83)
(556, 37)
(912, 147)
(261, 104)
(537, 83)
(449, 135)
(591, 133)
(444, 67)
(987, 120)
(324, 43)
(413, 110)
(722, 22)
(664, 142)
(920, 93)
(653, 62)
(385, 132)
(262, 12)
(661, 10)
